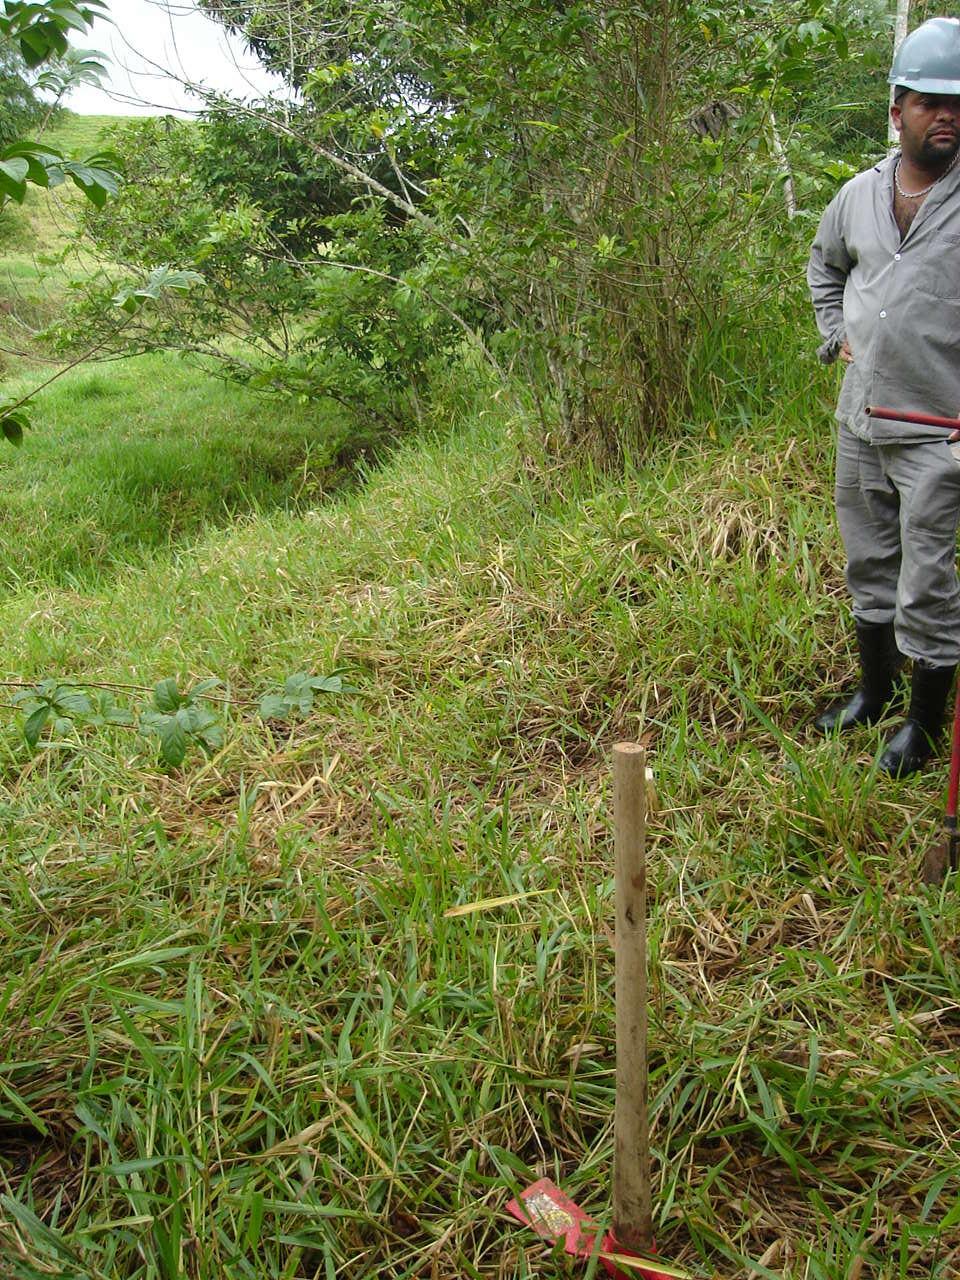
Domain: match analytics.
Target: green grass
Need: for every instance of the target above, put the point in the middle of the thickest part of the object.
(134, 457)
(81, 136)
(239, 1037)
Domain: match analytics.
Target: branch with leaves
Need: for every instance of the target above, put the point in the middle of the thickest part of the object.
(129, 299)
(41, 27)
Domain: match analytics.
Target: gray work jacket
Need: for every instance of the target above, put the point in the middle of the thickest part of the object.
(896, 303)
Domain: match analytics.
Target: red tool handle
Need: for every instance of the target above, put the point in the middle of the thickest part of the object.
(954, 787)
(921, 419)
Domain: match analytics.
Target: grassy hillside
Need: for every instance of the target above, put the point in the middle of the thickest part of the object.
(134, 456)
(241, 1037)
(81, 136)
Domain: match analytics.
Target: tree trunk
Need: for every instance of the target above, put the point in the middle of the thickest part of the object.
(783, 164)
(899, 31)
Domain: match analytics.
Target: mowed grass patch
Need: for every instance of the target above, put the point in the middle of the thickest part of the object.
(241, 1037)
(130, 457)
(79, 136)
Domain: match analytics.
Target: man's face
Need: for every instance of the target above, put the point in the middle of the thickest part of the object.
(929, 125)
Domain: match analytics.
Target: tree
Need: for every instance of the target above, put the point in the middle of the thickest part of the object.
(528, 177)
(64, 74)
(20, 109)
(543, 151)
(38, 29)
(307, 291)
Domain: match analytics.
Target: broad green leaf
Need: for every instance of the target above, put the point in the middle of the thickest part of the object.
(40, 29)
(36, 47)
(11, 187)
(211, 737)
(173, 741)
(12, 427)
(166, 695)
(16, 168)
(110, 713)
(68, 15)
(96, 184)
(34, 724)
(188, 717)
(298, 691)
(205, 726)
(128, 302)
(333, 683)
(73, 702)
(131, 297)
(327, 684)
(274, 706)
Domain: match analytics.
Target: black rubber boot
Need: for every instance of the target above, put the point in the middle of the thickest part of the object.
(880, 661)
(916, 740)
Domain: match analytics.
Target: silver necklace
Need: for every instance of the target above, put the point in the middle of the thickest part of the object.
(915, 195)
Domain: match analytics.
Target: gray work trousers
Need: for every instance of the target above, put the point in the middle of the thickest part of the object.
(898, 506)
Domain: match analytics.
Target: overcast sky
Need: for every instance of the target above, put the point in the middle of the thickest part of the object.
(153, 43)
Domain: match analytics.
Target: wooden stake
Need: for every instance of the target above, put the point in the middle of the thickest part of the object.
(632, 1212)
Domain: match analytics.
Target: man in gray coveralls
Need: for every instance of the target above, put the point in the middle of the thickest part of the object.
(884, 275)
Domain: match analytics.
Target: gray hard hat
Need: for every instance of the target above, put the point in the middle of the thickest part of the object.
(928, 60)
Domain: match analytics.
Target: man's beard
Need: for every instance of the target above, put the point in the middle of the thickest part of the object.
(937, 155)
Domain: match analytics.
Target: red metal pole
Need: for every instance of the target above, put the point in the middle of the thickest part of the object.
(950, 817)
(953, 790)
(921, 419)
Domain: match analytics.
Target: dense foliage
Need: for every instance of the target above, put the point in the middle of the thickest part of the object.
(242, 207)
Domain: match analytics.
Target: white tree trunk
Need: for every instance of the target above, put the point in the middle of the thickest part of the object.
(783, 164)
(899, 31)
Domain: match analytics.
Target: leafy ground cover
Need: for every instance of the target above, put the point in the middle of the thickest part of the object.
(240, 1037)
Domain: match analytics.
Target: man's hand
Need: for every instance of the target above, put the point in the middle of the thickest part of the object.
(954, 435)
(846, 355)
